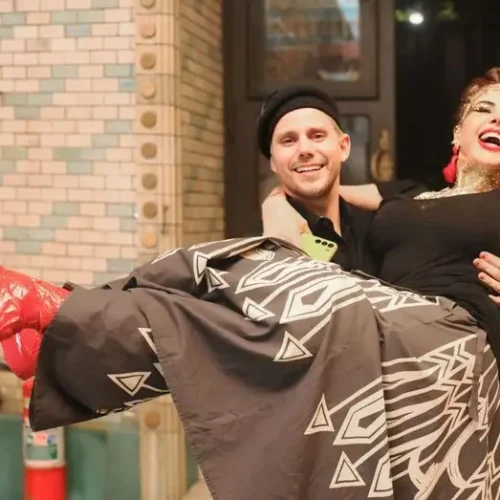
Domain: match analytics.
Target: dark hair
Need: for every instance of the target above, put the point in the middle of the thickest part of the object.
(286, 99)
(491, 77)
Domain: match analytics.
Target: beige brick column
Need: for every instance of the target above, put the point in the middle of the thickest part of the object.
(159, 188)
(163, 452)
(158, 127)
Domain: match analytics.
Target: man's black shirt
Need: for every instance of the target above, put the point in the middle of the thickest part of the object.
(354, 251)
(354, 246)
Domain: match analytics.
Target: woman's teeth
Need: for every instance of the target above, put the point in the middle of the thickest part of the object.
(491, 138)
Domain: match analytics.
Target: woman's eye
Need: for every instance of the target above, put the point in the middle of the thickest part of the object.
(481, 109)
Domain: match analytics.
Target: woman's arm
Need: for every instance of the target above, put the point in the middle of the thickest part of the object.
(366, 196)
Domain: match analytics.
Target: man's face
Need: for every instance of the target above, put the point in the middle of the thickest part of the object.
(307, 150)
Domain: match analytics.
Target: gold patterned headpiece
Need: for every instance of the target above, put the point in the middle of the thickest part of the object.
(472, 95)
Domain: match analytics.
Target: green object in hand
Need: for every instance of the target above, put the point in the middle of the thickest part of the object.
(318, 248)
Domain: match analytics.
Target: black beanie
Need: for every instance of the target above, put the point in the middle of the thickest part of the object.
(287, 99)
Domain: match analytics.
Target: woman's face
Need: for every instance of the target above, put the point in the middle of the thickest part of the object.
(478, 134)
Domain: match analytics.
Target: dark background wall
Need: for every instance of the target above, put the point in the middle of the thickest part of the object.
(434, 62)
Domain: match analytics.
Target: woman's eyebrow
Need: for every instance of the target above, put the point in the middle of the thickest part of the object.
(488, 103)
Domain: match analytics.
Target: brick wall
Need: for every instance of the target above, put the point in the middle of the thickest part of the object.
(202, 119)
(67, 194)
(70, 137)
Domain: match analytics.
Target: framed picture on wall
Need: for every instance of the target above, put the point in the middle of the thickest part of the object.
(329, 43)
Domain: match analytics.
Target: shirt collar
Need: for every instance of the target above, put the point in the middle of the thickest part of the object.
(313, 220)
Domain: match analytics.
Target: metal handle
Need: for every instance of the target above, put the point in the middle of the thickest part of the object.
(382, 166)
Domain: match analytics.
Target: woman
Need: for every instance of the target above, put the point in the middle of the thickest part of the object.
(476, 145)
(295, 379)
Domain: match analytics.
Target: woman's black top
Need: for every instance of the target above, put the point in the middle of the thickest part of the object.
(429, 246)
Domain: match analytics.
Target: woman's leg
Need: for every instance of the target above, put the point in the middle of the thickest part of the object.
(441, 398)
(253, 339)
(280, 366)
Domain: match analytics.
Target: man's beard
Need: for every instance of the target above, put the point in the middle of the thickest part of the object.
(312, 193)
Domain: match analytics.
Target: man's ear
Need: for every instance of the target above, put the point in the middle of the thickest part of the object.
(345, 147)
(272, 165)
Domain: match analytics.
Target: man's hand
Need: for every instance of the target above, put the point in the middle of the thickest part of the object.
(489, 273)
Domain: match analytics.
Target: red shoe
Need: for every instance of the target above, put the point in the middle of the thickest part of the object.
(27, 303)
(20, 352)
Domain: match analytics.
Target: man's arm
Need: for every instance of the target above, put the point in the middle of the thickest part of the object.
(489, 273)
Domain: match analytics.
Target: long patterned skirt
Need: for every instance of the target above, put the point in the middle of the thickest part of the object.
(295, 380)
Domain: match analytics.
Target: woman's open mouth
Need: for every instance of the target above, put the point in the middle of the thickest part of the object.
(490, 140)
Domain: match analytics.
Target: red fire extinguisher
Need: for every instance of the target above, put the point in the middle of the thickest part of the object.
(44, 458)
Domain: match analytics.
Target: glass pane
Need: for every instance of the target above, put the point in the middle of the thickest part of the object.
(312, 39)
(356, 170)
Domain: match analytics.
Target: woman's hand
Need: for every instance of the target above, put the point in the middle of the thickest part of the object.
(489, 273)
(366, 196)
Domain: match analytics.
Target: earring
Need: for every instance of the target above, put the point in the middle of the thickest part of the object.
(450, 171)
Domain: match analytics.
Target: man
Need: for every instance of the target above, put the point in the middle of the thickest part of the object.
(257, 343)
(299, 133)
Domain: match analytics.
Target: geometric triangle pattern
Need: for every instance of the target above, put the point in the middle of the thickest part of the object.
(291, 350)
(272, 274)
(254, 311)
(215, 280)
(299, 297)
(321, 421)
(328, 291)
(131, 383)
(346, 474)
(382, 485)
(387, 299)
(364, 423)
(147, 335)
(199, 266)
